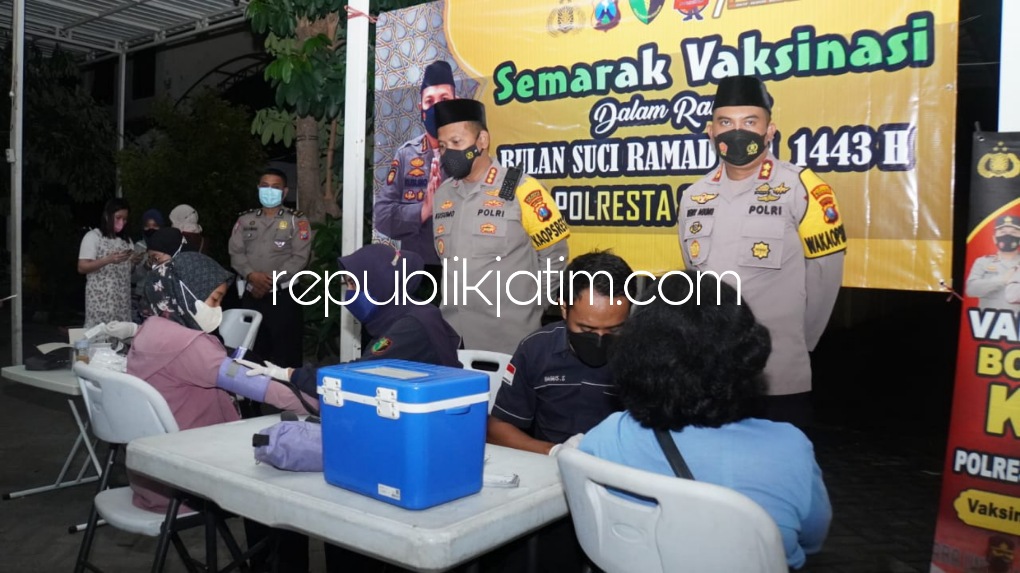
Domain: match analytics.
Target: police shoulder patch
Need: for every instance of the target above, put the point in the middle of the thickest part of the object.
(381, 345)
(540, 217)
(821, 228)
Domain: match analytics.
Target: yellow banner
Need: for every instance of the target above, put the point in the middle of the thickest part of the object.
(606, 104)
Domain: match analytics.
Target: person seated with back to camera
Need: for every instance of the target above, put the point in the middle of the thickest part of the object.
(696, 370)
(175, 352)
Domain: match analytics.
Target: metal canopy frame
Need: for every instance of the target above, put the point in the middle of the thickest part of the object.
(98, 27)
(94, 28)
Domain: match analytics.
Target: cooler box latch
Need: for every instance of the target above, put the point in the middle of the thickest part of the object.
(330, 392)
(386, 403)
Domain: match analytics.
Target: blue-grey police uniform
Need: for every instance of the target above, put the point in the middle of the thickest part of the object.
(549, 393)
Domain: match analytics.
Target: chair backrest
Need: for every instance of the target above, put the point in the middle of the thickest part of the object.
(693, 526)
(239, 327)
(122, 407)
(488, 361)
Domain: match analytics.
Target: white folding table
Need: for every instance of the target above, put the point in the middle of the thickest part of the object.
(217, 463)
(65, 382)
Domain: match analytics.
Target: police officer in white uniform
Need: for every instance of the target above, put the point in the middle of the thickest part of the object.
(490, 218)
(777, 227)
(993, 278)
(267, 239)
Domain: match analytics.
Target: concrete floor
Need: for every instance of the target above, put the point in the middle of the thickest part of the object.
(880, 442)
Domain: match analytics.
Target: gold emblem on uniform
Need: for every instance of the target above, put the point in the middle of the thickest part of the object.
(440, 247)
(282, 225)
(493, 203)
(766, 169)
(999, 163)
(493, 193)
(703, 198)
(694, 249)
(417, 162)
(488, 228)
(768, 194)
(446, 205)
(696, 228)
(440, 229)
(760, 250)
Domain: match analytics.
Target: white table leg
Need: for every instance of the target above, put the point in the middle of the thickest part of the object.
(82, 438)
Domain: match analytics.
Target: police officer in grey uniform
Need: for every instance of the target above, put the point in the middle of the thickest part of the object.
(993, 278)
(490, 219)
(267, 239)
(403, 207)
(773, 227)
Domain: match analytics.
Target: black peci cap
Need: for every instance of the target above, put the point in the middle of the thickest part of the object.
(438, 73)
(742, 90)
(457, 110)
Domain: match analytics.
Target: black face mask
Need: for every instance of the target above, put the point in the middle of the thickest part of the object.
(590, 348)
(457, 162)
(1007, 243)
(739, 146)
(149, 232)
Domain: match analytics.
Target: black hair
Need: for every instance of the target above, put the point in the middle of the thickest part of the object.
(274, 171)
(600, 270)
(692, 364)
(106, 224)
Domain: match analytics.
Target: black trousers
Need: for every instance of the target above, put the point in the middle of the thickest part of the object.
(796, 409)
(282, 332)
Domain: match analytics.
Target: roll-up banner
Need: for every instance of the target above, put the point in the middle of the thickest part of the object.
(979, 512)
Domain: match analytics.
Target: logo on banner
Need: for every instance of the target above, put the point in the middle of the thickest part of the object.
(606, 14)
(646, 10)
(565, 18)
(691, 9)
(999, 163)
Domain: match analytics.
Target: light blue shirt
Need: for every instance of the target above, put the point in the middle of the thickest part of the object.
(772, 463)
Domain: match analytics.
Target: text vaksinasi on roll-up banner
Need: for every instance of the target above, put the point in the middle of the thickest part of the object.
(607, 104)
(978, 525)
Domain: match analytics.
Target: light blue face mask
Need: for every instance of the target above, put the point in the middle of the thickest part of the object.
(270, 197)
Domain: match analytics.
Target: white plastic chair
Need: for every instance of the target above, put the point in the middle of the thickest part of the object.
(695, 526)
(492, 363)
(121, 408)
(240, 326)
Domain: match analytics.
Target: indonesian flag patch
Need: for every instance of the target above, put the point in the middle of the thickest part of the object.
(508, 377)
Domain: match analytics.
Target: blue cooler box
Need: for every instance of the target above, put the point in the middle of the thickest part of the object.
(402, 432)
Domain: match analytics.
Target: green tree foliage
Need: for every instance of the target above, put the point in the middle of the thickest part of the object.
(308, 41)
(201, 154)
(68, 171)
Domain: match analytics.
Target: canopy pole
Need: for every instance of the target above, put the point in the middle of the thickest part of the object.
(121, 92)
(355, 109)
(14, 158)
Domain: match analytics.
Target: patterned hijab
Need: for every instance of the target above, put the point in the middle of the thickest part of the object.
(173, 288)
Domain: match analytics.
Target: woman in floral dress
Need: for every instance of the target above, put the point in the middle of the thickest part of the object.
(105, 257)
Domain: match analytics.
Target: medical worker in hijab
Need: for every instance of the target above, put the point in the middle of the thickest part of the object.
(176, 353)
